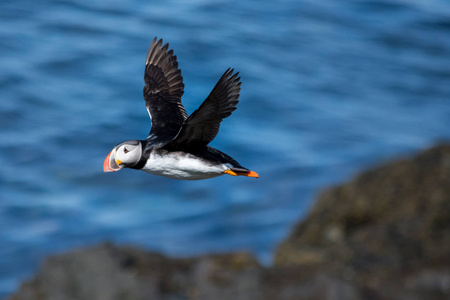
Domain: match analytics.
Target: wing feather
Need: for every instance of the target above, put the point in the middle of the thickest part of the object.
(163, 90)
(203, 124)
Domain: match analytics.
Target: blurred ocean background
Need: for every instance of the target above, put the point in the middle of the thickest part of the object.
(329, 88)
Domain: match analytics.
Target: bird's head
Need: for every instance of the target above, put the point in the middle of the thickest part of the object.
(124, 155)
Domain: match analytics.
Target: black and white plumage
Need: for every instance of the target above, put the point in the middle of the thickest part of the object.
(177, 145)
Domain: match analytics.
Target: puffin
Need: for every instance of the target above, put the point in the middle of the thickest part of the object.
(177, 146)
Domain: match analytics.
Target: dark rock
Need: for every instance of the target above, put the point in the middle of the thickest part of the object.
(386, 230)
(109, 272)
(384, 235)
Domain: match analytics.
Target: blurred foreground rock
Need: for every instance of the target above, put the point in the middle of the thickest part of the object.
(387, 231)
(109, 272)
(384, 235)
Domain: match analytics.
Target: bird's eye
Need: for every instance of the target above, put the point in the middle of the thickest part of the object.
(125, 150)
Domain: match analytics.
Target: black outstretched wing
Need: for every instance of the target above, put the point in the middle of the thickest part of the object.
(203, 124)
(163, 90)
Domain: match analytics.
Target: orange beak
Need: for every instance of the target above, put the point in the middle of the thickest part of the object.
(110, 165)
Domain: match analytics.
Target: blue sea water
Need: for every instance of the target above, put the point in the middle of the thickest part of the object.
(329, 89)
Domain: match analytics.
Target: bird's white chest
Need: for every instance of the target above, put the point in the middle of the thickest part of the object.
(177, 165)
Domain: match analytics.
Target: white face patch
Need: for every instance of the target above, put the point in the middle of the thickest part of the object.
(128, 154)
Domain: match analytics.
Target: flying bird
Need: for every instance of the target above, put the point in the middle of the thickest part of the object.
(177, 145)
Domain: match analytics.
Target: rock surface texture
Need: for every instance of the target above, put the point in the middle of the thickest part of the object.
(387, 231)
(383, 235)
